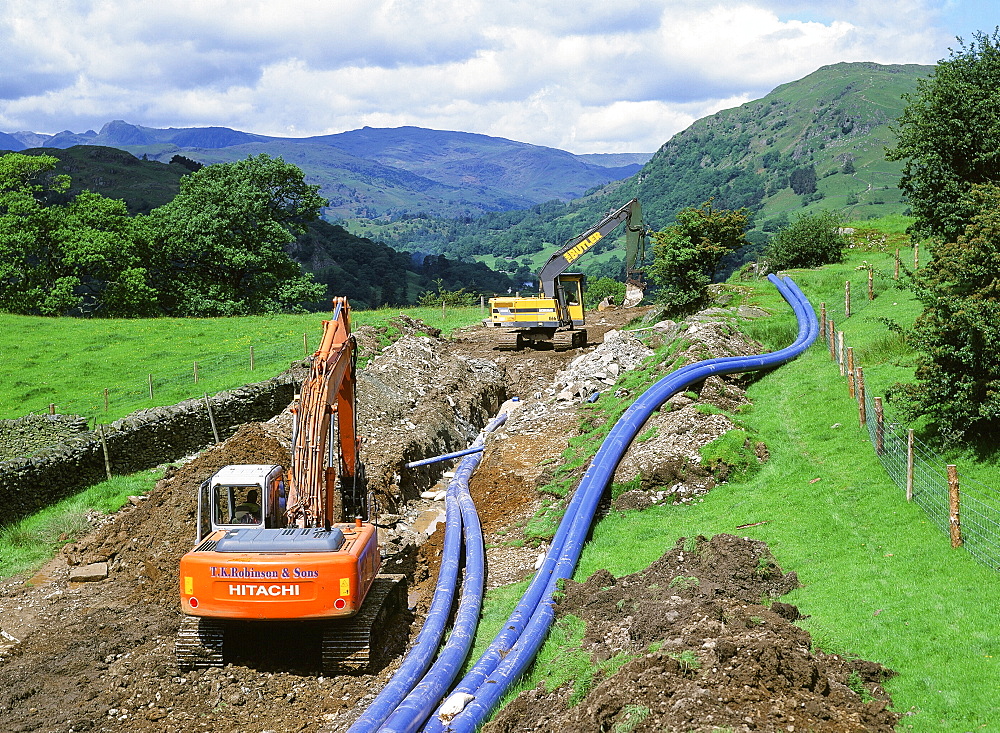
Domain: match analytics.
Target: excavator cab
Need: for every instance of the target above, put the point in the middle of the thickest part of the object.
(570, 297)
(241, 496)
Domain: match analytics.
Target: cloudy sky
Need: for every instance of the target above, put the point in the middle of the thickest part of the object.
(581, 75)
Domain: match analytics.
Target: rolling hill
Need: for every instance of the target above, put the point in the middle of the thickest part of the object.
(816, 143)
(380, 172)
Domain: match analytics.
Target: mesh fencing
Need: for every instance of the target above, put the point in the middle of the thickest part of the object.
(917, 469)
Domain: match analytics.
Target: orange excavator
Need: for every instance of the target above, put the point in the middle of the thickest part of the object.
(266, 548)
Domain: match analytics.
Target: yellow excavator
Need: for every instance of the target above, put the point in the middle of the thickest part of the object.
(556, 314)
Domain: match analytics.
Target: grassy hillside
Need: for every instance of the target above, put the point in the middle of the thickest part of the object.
(879, 580)
(116, 174)
(70, 362)
(826, 134)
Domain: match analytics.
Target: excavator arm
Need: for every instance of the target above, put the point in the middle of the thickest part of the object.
(328, 392)
(630, 214)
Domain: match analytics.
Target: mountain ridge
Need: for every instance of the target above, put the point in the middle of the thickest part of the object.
(379, 172)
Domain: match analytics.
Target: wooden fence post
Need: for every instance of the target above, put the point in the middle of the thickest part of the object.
(879, 427)
(305, 344)
(850, 371)
(895, 274)
(862, 405)
(871, 285)
(196, 372)
(104, 447)
(105, 399)
(909, 464)
(841, 356)
(822, 320)
(150, 386)
(847, 299)
(251, 358)
(52, 408)
(954, 523)
(211, 418)
(916, 256)
(833, 341)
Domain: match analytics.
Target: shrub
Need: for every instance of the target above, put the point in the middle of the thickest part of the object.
(809, 241)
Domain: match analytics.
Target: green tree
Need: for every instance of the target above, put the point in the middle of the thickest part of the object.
(958, 333)
(602, 287)
(809, 241)
(219, 246)
(949, 137)
(686, 254)
(82, 257)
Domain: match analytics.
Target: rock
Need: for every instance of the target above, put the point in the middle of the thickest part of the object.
(89, 573)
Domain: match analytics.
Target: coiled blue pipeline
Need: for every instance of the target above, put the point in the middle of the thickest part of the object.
(515, 646)
(459, 521)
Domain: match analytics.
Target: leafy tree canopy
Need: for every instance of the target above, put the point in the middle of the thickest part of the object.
(949, 136)
(958, 333)
(80, 257)
(216, 249)
(218, 246)
(686, 254)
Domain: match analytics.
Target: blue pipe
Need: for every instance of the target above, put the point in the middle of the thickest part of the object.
(429, 639)
(514, 648)
(420, 703)
(445, 457)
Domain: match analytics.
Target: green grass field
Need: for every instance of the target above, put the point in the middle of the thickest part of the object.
(70, 362)
(879, 580)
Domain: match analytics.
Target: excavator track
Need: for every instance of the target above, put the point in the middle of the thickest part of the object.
(352, 644)
(199, 643)
(510, 341)
(565, 340)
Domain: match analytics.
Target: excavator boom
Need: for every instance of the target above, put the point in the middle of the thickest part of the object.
(328, 391)
(630, 214)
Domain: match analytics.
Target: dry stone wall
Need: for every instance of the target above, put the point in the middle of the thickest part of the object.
(137, 442)
(27, 435)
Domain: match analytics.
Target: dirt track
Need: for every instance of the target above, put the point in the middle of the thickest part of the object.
(98, 656)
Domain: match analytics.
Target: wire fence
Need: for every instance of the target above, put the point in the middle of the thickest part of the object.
(967, 511)
(212, 372)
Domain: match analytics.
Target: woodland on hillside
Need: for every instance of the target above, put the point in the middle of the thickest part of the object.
(120, 236)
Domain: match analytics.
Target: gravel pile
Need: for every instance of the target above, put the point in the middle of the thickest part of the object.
(599, 369)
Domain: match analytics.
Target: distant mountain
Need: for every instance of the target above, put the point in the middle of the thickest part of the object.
(383, 172)
(9, 142)
(816, 143)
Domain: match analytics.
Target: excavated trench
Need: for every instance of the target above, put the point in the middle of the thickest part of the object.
(97, 656)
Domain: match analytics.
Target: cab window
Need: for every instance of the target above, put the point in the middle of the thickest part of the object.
(237, 505)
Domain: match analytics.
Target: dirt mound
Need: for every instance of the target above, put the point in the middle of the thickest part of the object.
(703, 654)
(99, 656)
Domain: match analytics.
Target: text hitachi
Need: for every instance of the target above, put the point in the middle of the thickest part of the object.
(263, 590)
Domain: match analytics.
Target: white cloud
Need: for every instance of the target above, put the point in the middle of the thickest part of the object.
(589, 76)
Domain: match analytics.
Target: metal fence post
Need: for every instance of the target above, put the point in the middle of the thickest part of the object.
(909, 464)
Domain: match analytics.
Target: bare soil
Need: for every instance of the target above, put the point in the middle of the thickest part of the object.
(98, 656)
